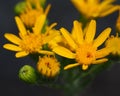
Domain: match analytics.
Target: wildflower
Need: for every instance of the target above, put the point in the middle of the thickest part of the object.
(113, 42)
(48, 66)
(84, 48)
(95, 8)
(30, 14)
(118, 21)
(30, 42)
(28, 74)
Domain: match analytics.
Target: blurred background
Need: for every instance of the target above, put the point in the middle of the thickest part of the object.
(107, 83)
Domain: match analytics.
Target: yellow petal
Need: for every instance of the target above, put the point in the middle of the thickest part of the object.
(39, 24)
(84, 67)
(109, 11)
(13, 38)
(105, 4)
(77, 32)
(90, 32)
(102, 37)
(103, 52)
(21, 54)
(12, 47)
(47, 9)
(100, 61)
(46, 52)
(71, 66)
(92, 2)
(21, 26)
(68, 38)
(50, 37)
(64, 52)
(80, 5)
(50, 27)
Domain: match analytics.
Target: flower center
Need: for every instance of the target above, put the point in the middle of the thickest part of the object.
(31, 43)
(85, 54)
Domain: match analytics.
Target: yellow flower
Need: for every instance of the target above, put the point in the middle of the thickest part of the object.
(95, 8)
(30, 14)
(48, 66)
(113, 42)
(118, 21)
(84, 48)
(30, 42)
(57, 39)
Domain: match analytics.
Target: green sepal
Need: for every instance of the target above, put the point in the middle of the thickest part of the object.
(28, 74)
(19, 7)
(43, 3)
(44, 27)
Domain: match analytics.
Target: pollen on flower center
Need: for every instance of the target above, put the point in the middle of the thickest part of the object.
(48, 65)
(89, 55)
(85, 54)
(31, 43)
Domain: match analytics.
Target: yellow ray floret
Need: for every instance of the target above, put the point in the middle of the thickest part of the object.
(85, 47)
(77, 32)
(114, 43)
(32, 42)
(118, 21)
(95, 8)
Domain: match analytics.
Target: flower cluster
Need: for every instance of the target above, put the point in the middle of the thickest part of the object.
(57, 50)
(97, 8)
(36, 37)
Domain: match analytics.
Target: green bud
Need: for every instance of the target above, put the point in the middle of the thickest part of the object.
(28, 74)
(43, 2)
(20, 7)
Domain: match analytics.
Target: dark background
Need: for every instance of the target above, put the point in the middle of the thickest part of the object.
(107, 83)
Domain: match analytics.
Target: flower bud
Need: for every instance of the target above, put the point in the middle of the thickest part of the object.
(28, 74)
(20, 7)
(48, 66)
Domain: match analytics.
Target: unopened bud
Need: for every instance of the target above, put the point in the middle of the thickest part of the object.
(20, 7)
(28, 74)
